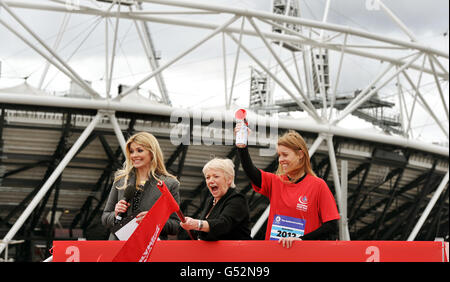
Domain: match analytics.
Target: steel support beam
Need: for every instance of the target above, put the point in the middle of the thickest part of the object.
(393, 194)
(48, 184)
(66, 69)
(344, 234)
(181, 161)
(442, 185)
(132, 109)
(177, 58)
(433, 228)
(402, 214)
(363, 233)
(104, 184)
(357, 213)
(118, 132)
(55, 159)
(427, 187)
(150, 52)
(174, 155)
(357, 192)
(389, 232)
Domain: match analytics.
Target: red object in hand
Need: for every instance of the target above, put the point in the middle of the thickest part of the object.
(240, 114)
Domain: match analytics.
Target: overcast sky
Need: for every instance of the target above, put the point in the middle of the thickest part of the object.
(197, 79)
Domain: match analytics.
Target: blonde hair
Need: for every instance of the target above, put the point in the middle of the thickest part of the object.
(225, 165)
(157, 167)
(294, 141)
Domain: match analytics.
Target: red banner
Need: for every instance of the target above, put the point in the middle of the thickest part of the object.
(260, 251)
(141, 243)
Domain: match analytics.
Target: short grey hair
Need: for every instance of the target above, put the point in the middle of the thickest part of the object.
(225, 165)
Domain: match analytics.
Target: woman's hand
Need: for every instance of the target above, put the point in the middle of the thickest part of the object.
(190, 224)
(288, 242)
(140, 217)
(121, 207)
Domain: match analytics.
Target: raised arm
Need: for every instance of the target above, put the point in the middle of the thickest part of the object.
(249, 168)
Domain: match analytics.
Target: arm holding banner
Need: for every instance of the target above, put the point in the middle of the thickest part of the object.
(228, 219)
(195, 224)
(172, 224)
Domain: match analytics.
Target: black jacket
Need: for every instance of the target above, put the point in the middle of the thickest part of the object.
(229, 218)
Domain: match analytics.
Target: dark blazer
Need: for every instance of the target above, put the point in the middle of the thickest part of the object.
(148, 197)
(229, 218)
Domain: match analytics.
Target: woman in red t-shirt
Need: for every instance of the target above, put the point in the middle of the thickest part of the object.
(302, 206)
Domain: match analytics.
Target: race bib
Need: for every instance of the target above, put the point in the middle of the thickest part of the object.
(286, 226)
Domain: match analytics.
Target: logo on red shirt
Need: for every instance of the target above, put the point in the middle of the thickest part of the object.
(302, 204)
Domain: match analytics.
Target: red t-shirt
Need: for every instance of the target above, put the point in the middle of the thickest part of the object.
(309, 202)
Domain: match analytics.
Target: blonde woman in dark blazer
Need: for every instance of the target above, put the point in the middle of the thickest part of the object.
(143, 169)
